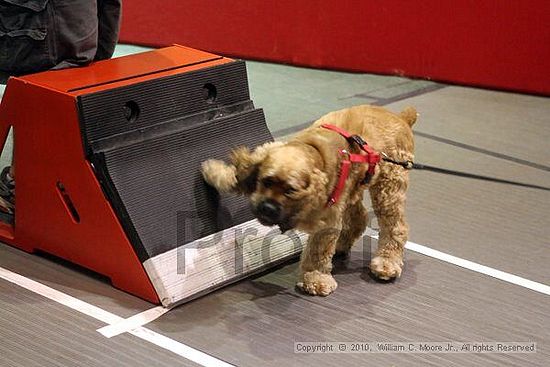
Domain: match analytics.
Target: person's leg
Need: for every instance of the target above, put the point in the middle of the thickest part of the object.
(26, 38)
(75, 32)
(108, 14)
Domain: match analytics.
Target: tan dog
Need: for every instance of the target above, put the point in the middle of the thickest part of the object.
(289, 184)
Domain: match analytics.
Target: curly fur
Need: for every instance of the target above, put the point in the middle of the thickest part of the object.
(299, 175)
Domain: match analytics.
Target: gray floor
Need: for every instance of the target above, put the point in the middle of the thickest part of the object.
(257, 321)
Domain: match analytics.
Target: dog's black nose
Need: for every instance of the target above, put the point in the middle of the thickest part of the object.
(269, 210)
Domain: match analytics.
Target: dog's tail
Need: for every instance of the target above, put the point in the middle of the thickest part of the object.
(410, 115)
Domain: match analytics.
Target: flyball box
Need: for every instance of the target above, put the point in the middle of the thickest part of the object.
(108, 175)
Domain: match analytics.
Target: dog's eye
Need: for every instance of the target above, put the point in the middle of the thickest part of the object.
(289, 191)
(268, 182)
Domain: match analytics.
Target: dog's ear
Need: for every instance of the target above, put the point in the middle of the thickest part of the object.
(219, 175)
(247, 164)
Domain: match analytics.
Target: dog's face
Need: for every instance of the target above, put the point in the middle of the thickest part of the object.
(285, 185)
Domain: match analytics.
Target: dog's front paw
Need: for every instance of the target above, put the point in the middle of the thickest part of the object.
(317, 283)
(386, 268)
(219, 175)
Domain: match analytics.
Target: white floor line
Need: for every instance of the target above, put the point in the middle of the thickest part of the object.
(133, 322)
(60, 297)
(160, 340)
(470, 265)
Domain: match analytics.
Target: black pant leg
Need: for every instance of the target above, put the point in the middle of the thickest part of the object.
(109, 13)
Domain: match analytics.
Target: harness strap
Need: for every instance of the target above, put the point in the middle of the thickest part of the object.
(342, 178)
(368, 156)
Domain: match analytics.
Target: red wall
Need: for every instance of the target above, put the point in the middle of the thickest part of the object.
(502, 44)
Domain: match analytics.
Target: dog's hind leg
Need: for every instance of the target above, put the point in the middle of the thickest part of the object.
(388, 195)
(316, 263)
(354, 224)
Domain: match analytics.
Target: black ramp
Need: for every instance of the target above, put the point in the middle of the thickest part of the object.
(147, 141)
(159, 178)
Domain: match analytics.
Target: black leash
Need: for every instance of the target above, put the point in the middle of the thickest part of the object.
(411, 165)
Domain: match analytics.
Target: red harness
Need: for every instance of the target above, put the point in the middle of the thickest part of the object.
(368, 156)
